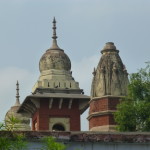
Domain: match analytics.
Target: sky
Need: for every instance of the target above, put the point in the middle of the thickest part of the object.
(83, 28)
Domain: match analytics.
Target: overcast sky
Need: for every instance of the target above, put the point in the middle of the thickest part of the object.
(83, 28)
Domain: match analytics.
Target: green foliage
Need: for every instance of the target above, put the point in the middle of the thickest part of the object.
(51, 144)
(14, 142)
(2, 127)
(5, 143)
(139, 87)
(125, 116)
(11, 123)
(134, 112)
(18, 142)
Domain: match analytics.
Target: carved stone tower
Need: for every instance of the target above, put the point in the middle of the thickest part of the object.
(109, 85)
(57, 101)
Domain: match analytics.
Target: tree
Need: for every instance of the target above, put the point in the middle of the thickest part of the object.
(133, 113)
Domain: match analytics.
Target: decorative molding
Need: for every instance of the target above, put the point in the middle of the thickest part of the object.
(105, 128)
(101, 113)
(105, 96)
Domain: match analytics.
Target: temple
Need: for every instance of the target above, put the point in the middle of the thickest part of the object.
(109, 86)
(57, 101)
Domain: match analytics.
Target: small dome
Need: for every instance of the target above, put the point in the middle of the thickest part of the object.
(13, 112)
(109, 45)
(24, 123)
(54, 59)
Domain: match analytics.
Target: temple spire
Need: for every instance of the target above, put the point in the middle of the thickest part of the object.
(17, 95)
(54, 37)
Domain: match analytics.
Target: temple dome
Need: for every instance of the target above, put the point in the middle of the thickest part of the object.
(55, 68)
(54, 59)
(24, 121)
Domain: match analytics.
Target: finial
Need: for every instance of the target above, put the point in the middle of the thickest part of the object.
(54, 44)
(54, 29)
(17, 95)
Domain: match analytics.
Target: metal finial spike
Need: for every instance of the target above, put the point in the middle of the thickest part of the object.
(17, 94)
(54, 43)
(17, 84)
(54, 20)
(54, 29)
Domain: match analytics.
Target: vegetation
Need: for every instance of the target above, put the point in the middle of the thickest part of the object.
(11, 123)
(134, 111)
(14, 141)
(17, 141)
(51, 144)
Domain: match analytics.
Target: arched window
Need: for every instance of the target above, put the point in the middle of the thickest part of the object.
(58, 127)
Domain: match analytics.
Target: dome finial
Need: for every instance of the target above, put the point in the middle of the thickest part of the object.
(54, 29)
(17, 95)
(54, 44)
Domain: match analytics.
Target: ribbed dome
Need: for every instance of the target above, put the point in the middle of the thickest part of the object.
(54, 58)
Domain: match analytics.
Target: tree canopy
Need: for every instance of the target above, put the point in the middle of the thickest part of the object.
(133, 113)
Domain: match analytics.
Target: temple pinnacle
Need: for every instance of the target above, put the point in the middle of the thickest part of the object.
(54, 29)
(17, 95)
(54, 44)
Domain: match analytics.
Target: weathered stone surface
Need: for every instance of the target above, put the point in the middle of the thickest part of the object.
(109, 85)
(55, 68)
(88, 136)
(55, 59)
(110, 76)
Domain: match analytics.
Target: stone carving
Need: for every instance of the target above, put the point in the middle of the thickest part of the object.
(110, 77)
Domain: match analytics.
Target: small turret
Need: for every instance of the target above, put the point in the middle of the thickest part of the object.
(24, 121)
